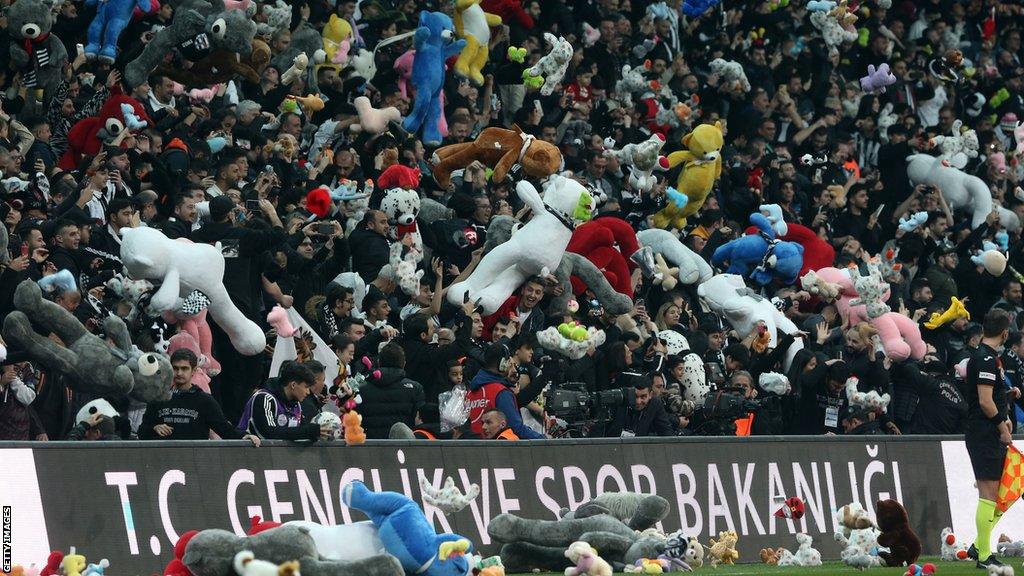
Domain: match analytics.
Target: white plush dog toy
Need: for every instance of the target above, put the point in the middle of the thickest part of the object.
(731, 73)
(536, 249)
(961, 190)
(180, 267)
(552, 66)
(728, 295)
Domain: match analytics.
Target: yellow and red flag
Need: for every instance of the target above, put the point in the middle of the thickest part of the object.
(1011, 485)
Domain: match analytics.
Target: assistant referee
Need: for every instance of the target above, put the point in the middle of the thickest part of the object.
(988, 429)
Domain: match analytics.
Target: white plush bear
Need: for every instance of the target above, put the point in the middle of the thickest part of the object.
(806, 555)
(727, 295)
(632, 81)
(552, 66)
(346, 542)
(536, 249)
(871, 400)
(961, 190)
(692, 268)
(731, 73)
(952, 550)
(642, 159)
(180, 267)
(402, 206)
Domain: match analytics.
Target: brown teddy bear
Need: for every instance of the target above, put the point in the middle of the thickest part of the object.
(903, 544)
(498, 148)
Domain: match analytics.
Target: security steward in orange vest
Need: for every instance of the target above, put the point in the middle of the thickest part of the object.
(495, 426)
(491, 388)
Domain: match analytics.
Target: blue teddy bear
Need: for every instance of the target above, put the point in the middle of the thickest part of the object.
(760, 256)
(407, 535)
(111, 18)
(434, 42)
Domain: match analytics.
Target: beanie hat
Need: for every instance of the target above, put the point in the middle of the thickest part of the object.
(220, 207)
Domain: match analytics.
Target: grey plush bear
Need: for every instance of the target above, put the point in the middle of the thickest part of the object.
(38, 54)
(210, 553)
(90, 364)
(202, 31)
(540, 544)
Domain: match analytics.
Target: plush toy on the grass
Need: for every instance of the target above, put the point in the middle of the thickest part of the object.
(684, 554)
(896, 534)
(535, 250)
(37, 53)
(111, 18)
(1006, 547)
(473, 25)
(723, 550)
(97, 569)
(952, 550)
(89, 362)
(877, 80)
(586, 561)
(212, 552)
(499, 149)
(962, 190)
(434, 44)
(702, 166)
(540, 544)
(642, 159)
(761, 257)
(550, 69)
(806, 554)
(246, 564)
(648, 566)
(406, 533)
(920, 570)
(72, 564)
(448, 499)
(770, 556)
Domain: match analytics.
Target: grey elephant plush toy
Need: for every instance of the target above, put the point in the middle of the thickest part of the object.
(38, 54)
(540, 544)
(199, 33)
(210, 553)
(90, 364)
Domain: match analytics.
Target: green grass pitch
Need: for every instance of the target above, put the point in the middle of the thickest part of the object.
(830, 568)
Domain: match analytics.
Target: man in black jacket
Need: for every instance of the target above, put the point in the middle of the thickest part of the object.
(64, 244)
(190, 414)
(392, 398)
(274, 412)
(643, 415)
(941, 406)
(105, 240)
(369, 245)
(422, 358)
(180, 224)
(244, 253)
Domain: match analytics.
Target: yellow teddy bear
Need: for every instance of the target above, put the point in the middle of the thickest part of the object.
(702, 166)
(473, 25)
(337, 36)
(724, 551)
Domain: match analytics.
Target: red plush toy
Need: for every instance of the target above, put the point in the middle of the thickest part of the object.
(399, 176)
(52, 564)
(257, 525)
(608, 242)
(510, 11)
(87, 137)
(318, 201)
(176, 567)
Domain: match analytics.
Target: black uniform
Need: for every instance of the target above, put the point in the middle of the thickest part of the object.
(987, 452)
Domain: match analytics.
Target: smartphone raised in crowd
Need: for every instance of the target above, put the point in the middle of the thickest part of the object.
(252, 205)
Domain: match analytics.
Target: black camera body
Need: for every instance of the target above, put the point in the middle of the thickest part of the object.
(723, 407)
(582, 409)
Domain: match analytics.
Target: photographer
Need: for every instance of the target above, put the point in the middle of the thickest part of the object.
(643, 414)
(491, 388)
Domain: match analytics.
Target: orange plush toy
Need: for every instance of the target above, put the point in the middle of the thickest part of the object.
(608, 242)
(354, 433)
(499, 149)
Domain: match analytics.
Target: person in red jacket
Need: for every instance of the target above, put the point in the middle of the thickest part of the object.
(491, 389)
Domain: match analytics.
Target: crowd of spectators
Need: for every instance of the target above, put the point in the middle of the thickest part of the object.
(803, 100)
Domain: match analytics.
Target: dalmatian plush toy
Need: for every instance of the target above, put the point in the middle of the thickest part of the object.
(552, 66)
(402, 206)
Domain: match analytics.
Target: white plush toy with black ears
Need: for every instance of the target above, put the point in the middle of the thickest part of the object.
(536, 249)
